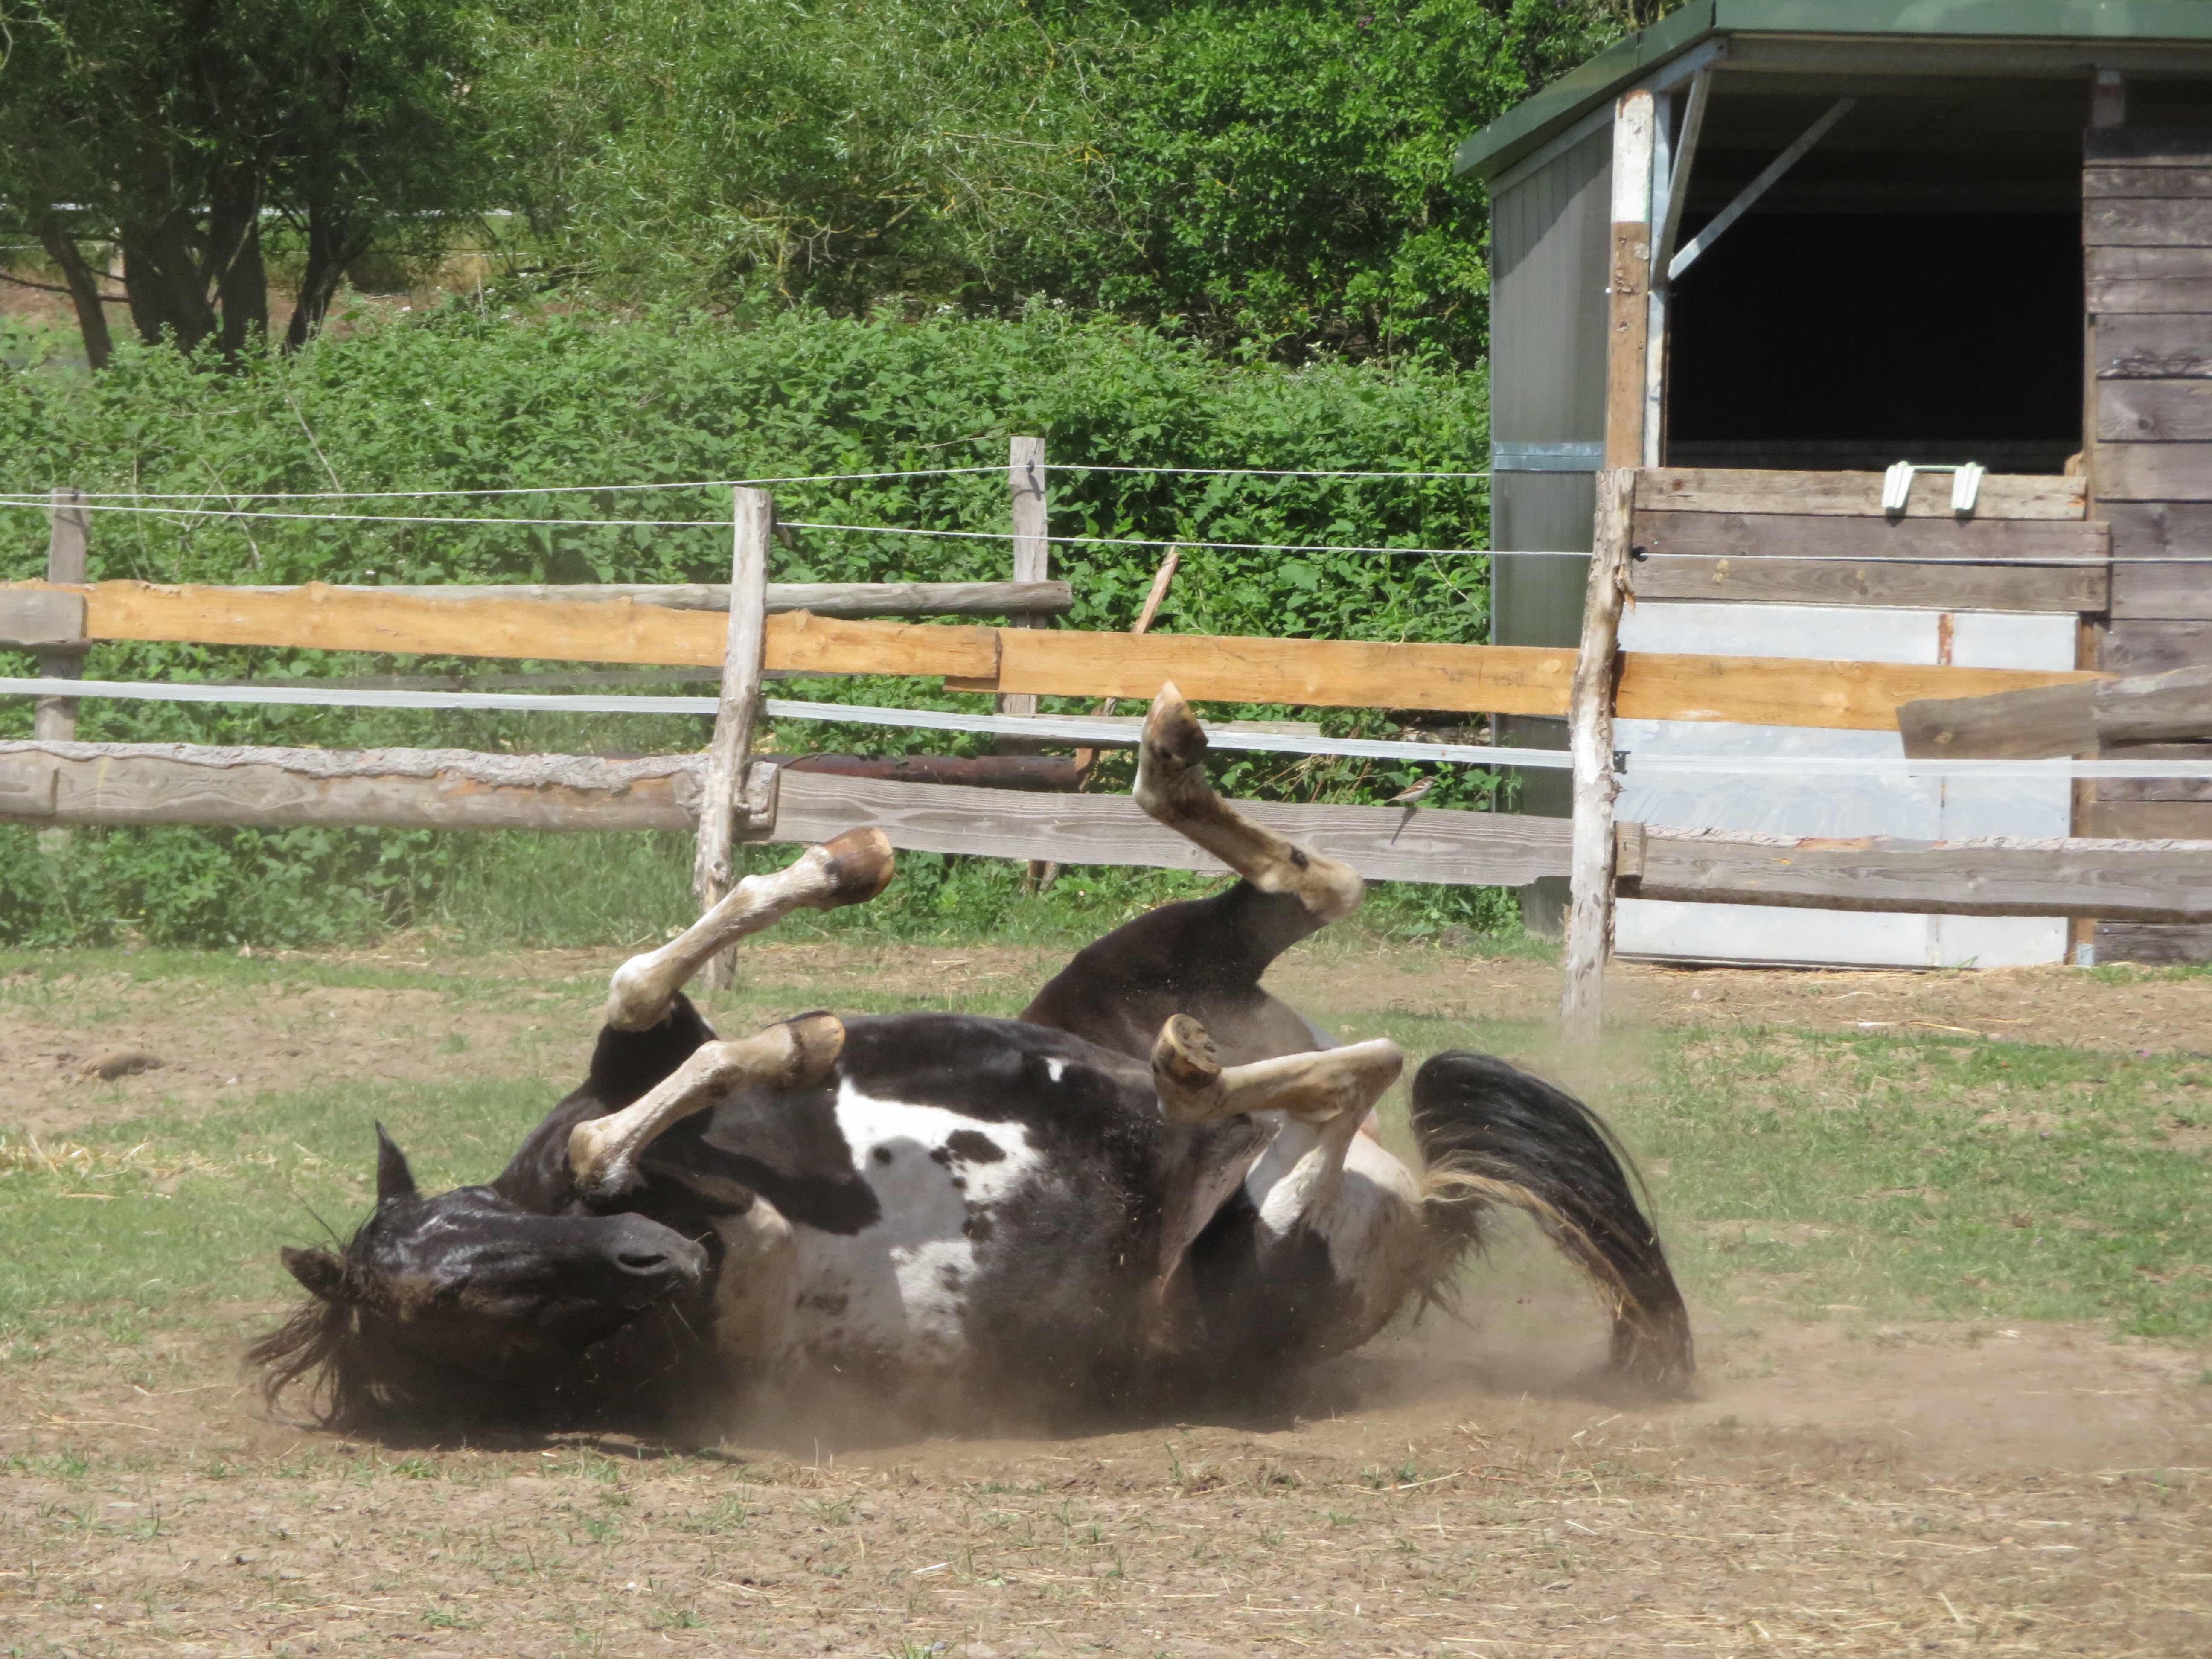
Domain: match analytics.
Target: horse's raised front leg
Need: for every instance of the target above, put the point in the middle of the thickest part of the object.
(604, 1152)
(850, 870)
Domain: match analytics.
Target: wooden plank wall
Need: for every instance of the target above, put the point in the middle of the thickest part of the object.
(2147, 237)
(1822, 538)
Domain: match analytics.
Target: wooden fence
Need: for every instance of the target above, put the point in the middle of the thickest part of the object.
(748, 627)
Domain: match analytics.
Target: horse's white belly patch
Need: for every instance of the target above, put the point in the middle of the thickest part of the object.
(898, 1290)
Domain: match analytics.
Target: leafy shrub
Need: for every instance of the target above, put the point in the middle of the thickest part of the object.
(473, 398)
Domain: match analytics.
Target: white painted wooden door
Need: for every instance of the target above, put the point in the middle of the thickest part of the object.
(1833, 804)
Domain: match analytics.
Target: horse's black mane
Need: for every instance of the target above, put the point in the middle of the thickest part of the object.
(344, 1374)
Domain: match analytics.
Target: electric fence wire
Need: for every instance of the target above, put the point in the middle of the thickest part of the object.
(29, 497)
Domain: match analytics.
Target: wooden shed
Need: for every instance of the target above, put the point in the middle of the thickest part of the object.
(1774, 249)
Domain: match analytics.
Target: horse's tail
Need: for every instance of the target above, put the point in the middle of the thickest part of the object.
(1494, 1135)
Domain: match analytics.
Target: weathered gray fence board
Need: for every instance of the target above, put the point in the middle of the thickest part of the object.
(1382, 843)
(2138, 881)
(85, 783)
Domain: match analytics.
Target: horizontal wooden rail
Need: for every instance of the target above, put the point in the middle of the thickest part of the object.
(126, 784)
(1857, 495)
(141, 783)
(1809, 558)
(1335, 673)
(2123, 880)
(122, 784)
(1382, 843)
(2107, 716)
(849, 599)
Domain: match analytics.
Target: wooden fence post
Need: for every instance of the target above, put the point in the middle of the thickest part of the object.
(55, 720)
(1032, 551)
(729, 756)
(1032, 562)
(1589, 740)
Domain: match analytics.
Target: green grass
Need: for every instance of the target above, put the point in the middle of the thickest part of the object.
(1906, 1177)
(1935, 1177)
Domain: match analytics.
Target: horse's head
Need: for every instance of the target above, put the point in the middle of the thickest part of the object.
(464, 1298)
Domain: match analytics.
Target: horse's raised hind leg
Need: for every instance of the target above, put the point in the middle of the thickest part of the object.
(1172, 787)
(1314, 1178)
(604, 1152)
(1319, 1087)
(849, 870)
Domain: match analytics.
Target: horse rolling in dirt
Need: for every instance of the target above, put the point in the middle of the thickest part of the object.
(1151, 1184)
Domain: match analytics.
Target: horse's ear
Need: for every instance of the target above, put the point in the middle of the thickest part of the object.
(321, 1273)
(393, 1178)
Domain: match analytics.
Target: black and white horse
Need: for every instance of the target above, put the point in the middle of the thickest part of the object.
(1151, 1182)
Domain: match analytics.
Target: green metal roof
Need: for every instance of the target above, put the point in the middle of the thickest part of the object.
(1530, 123)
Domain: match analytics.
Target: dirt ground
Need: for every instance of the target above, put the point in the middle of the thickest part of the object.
(1842, 1486)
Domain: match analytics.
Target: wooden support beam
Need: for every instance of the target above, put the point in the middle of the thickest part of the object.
(728, 756)
(1628, 282)
(1590, 739)
(2136, 881)
(1767, 178)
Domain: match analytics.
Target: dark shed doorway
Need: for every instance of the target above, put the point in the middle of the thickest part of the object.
(1912, 289)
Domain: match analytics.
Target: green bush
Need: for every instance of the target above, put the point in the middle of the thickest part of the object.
(473, 397)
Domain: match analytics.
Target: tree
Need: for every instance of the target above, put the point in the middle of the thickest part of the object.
(1270, 173)
(186, 133)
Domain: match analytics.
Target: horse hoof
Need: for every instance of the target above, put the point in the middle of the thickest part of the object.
(1185, 1067)
(859, 865)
